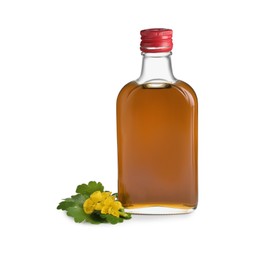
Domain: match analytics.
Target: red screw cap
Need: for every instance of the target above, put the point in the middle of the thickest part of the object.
(156, 40)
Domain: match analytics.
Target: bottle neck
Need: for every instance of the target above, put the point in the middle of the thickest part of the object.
(156, 68)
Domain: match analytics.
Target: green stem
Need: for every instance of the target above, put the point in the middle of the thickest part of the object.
(125, 215)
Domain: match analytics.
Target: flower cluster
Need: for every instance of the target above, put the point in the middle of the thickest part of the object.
(104, 202)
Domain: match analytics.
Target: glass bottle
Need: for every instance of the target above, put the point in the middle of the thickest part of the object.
(157, 135)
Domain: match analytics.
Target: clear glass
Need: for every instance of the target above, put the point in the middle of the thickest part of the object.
(156, 68)
(157, 141)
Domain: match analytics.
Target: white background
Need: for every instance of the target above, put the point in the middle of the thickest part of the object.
(62, 64)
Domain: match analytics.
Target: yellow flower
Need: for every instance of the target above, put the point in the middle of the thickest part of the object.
(88, 206)
(104, 202)
(96, 196)
(111, 207)
(98, 206)
(106, 194)
(95, 201)
(115, 207)
(108, 201)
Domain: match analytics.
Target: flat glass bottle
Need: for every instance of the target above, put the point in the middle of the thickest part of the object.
(157, 135)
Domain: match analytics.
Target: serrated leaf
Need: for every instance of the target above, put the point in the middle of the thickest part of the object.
(88, 189)
(64, 205)
(79, 199)
(80, 216)
(76, 200)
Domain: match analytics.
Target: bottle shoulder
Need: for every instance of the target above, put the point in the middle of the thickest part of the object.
(130, 85)
(183, 90)
(127, 89)
(186, 87)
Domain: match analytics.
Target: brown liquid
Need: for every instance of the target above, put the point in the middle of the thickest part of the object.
(157, 145)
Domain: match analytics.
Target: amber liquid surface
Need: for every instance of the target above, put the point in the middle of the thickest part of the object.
(157, 145)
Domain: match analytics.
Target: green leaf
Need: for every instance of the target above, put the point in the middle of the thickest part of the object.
(116, 195)
(111, 219)
(64, 205)
(76, 200)
(88, 189)
(80, 216)
(96, 216)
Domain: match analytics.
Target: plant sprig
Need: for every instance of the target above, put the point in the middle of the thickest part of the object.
(94, 205)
